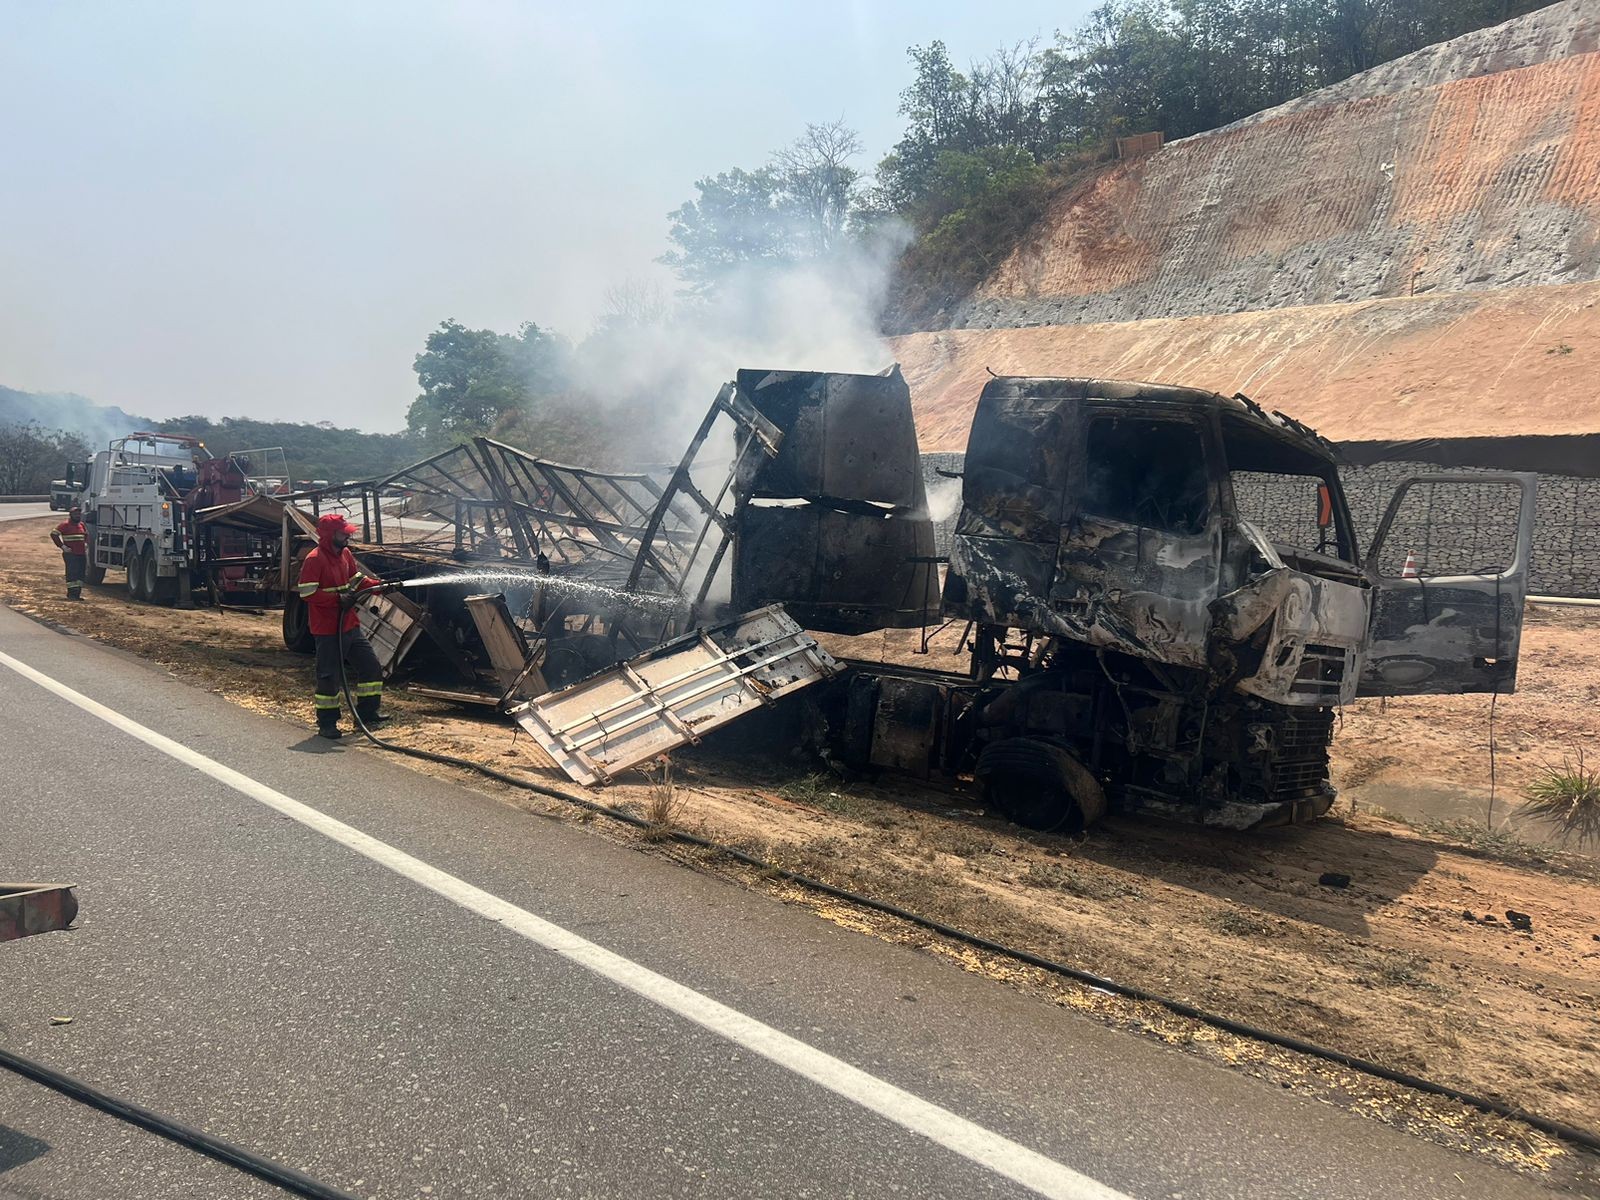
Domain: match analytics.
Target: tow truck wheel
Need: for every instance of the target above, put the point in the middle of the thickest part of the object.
(158, 589)
(147, 574)
(92, 574)
(1039, 785)
(133, 561)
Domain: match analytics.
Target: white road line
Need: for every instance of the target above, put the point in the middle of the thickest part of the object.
(972, 1141)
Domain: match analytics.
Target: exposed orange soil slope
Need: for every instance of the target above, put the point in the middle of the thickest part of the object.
(1483, 182)
(1513, 361)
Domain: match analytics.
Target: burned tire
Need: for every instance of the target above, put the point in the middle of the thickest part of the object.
(297, 625)
(1039, 785)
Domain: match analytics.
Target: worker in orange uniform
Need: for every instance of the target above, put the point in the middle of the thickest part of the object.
(73, 540)
(330, 579)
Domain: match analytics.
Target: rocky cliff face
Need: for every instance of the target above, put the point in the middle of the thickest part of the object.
(1320, 241)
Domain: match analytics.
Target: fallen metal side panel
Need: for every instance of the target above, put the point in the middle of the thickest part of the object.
(673, 694)
(29, 908)
(507, 648)
(392, 624)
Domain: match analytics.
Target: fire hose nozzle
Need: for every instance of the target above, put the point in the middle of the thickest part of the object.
(348, 600)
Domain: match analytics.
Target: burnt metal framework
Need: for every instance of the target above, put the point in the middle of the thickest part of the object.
(487, 499)
(606, 535)
(491, 493)
(679, 549)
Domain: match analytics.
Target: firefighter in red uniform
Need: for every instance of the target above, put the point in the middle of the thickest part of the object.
(329, 583)
(73, 539)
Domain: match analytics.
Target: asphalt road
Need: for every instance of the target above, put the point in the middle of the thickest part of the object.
(25, 512)
(465, 1000)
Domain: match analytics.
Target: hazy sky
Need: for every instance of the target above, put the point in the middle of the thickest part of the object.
(261, 209)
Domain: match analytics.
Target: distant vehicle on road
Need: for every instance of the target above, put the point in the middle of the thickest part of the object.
(64, 493)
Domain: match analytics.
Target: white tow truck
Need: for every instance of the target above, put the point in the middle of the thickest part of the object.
(148, 507)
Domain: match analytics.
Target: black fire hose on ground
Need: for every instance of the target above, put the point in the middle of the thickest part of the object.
(1556, 1129)
(197, 1140)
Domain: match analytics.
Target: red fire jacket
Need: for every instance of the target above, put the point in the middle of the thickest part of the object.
(73, 539)
(326, 578)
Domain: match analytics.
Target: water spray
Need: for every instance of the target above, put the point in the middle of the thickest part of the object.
(653, 603)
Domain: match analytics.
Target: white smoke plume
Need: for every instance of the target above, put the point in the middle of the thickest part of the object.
(944, 499)
(664, 365)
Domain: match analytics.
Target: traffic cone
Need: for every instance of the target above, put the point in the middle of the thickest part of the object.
(1409, 571)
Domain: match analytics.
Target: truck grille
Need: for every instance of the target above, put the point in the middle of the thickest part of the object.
(1305, 734)
(1300, 758)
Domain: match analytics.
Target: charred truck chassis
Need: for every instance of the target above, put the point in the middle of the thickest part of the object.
(1087, 731)
(1142, 639)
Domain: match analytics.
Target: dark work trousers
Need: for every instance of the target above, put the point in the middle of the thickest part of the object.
(366, 676)
(76, 564)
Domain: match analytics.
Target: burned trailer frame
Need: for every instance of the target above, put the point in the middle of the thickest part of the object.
(561, 539)
(693, 524)
(481, 508)
(1167, 606)
(600, 565)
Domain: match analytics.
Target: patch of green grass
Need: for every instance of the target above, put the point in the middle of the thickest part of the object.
(1567, 796)
(819, 790)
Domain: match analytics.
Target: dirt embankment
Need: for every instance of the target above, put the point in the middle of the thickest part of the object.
(1471, 184)
(1391, 967)
(1478, 364)
(1412, 253)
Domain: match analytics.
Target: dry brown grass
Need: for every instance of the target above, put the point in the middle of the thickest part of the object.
(665, 804)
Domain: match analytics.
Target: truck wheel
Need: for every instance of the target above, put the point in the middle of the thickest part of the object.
(149, 580)
(92, 574)
(1039, 785)
(158, 588)
(133, 561)
(297, 625)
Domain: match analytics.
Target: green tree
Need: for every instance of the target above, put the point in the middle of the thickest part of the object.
(469, 377)
(319, 450)
(31, 456)
(796, 207)
(739, 218)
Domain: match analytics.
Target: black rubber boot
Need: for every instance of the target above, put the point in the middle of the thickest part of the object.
(367, 710)
(328, 723)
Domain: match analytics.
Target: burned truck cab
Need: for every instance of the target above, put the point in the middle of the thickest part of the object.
(1169, 604)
